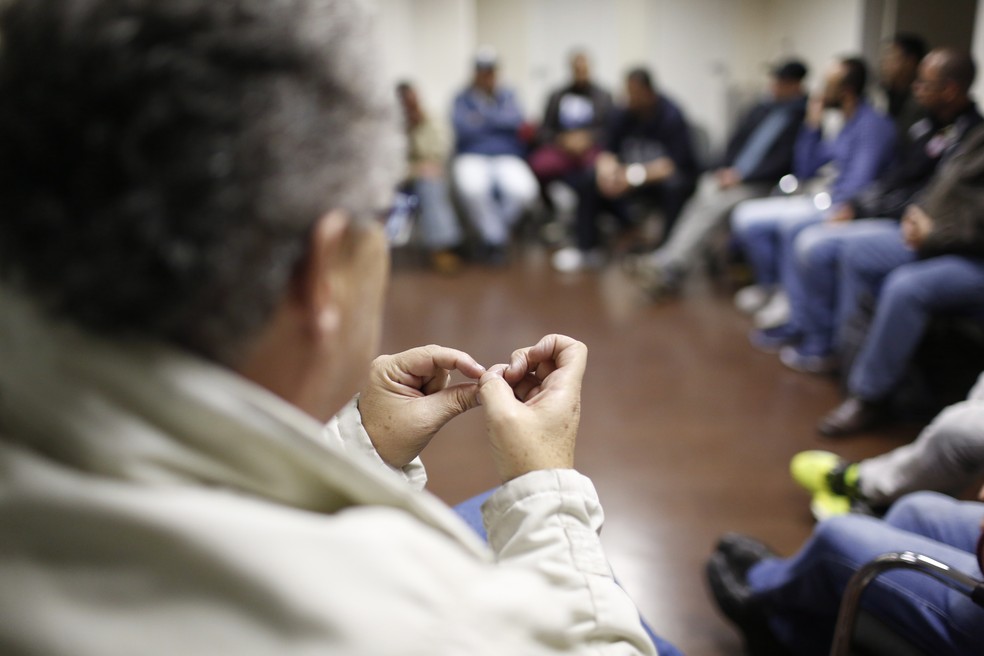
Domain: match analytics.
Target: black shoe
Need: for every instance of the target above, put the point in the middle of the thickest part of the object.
(743, 551)
(727, 577)
(658, 282)
(854, 415)
(492, 255)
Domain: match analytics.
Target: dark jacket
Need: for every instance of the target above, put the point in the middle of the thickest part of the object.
(925, 146)
(955, 202)
(635, 138)
(778, 159)
(601, 102)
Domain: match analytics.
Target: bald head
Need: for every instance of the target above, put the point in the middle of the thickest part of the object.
(943, 83)
(955, 66)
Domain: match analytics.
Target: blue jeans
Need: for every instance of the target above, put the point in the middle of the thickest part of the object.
(764, 228)
(802, 594)
(439, 226)
(471, 511)
(910, 296)
(822, 296)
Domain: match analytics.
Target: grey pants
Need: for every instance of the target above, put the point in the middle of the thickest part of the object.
(708, 210)
(947, 456)
(439, 225)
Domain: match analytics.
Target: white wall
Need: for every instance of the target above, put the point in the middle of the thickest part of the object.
(429, 42)
(977, 50)
(705, 53)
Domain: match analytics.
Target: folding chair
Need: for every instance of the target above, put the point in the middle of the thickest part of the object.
(859, 633)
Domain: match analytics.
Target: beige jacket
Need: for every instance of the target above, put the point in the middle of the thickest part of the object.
(427, 143)
(151, 503)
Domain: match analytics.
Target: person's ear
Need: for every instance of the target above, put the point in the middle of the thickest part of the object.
(317, 280)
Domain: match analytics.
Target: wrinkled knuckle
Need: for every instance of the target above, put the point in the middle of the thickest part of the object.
(462, 399)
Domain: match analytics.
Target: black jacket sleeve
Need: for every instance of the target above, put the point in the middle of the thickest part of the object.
(778, 160)
(955, 202)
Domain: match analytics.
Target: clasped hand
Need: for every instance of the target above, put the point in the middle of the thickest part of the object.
(532, 403)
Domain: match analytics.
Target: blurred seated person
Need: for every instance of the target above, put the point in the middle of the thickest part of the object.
(427, 149)
(789, 606)
(765, 228)
(898, 67)
(820, 305)
(758, 154)
(192, 287)
(933, 265)
(947, 457)
(648, 161)
(573, 127)
(490, 173)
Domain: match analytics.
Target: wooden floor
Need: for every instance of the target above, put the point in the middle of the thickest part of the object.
(686, 430)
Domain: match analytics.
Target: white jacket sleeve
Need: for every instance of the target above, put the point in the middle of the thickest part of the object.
(345, 432)
(549, 522)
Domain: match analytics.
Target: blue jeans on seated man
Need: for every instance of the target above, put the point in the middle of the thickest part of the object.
(823, 293)
(764, 228)
(470, 510)
(911, 295)
(802, 593)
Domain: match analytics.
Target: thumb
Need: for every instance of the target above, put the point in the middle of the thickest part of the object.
(454, 400)
(493, 390)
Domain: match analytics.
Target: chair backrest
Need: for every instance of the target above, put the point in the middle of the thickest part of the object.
(872, 638)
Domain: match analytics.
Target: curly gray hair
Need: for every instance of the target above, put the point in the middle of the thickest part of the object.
(163, 161)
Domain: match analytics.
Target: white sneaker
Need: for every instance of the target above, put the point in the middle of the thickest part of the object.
(753, 298)
(775, 313)
(571, 260)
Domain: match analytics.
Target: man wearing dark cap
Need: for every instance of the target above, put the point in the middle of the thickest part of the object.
(495, 184)
(759, 152)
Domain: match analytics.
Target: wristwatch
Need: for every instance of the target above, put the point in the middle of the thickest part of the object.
(635, 175)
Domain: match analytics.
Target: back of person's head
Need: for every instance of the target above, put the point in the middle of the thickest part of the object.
(162, 163)
(956, 66)
(855, 77)
(912, 46)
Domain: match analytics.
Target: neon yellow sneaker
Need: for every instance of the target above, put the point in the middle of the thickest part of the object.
(825, 505)
(812, 469)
